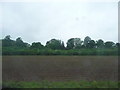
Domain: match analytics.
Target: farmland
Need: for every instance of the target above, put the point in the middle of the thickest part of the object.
(59, 68)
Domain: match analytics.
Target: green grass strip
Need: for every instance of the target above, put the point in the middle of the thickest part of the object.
(60, 84)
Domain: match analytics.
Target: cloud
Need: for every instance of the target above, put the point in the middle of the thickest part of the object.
(44, 21)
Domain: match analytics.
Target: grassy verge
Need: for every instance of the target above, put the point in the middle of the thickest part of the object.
(66, 84)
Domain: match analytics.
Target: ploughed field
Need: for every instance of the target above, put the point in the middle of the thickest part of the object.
(59, 68)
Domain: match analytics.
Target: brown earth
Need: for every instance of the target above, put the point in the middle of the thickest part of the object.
(59, 68)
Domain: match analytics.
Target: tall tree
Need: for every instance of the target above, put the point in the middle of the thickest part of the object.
(86, 41)
(117, 45)
(8, 37)
(70, 43)
(55, 44)
(91, 44)
(37, 45)
(109, 44)
(62, 45)
(74, 43)
(7, 42)
(77, 43)
(20, 43)
(100, 43)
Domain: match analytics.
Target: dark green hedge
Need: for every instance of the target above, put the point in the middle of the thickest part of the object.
(29, 51)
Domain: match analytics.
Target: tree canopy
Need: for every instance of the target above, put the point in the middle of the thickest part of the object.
(74, 43)
(75, 46)
(55, 44)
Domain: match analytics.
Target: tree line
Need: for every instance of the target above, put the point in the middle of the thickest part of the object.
(75, 46)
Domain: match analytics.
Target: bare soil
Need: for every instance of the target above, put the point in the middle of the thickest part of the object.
(59, 68)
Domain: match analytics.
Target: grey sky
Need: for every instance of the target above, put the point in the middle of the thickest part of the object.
(44, 21)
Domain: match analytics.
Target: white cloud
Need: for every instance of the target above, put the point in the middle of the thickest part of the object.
(44, 21)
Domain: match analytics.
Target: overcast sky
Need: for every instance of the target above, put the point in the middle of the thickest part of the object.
(40, 22)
